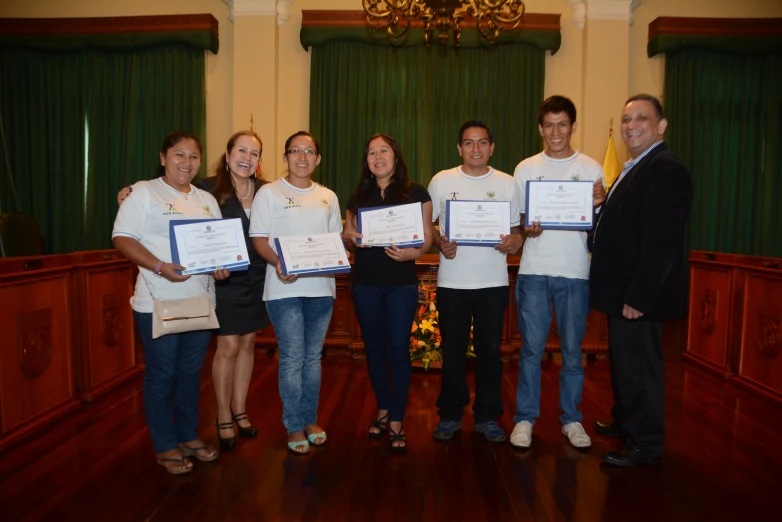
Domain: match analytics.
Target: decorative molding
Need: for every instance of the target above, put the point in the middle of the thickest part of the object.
(769, 337)
(107, 25)
(283, 11)
(584, 10)
(339, 18)
(35, 341)
(278, 8)
(112, 324)
(716, 26)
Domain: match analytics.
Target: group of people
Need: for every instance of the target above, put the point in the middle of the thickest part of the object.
(635, 276)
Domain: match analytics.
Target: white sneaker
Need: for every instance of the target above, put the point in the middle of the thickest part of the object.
(522, 435)
(575, 433)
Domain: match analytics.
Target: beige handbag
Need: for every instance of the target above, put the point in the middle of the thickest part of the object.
(182, 315)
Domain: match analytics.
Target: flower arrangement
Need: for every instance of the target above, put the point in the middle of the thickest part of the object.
(425, 336)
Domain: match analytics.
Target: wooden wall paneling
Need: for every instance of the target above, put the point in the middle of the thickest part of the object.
(36, 384)
(714, 321)
(760, 367)
(104, 333)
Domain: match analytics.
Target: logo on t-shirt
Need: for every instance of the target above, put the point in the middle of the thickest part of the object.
(324, 202)
(291, 204)
(575, 177)
(490, 194)
(207, 211)
(172, 211)
(453, 196)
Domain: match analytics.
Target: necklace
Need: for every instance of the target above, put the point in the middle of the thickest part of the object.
(249, 185)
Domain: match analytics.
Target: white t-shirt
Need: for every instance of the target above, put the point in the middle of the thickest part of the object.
(473, 267)
(144, 216)
(556, 253)
(279, 210)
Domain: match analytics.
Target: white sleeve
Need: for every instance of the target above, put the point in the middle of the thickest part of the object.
(515, 206)
(261, 214)
(132, 214)
(435, 199)
(335, 219)
(521, 186)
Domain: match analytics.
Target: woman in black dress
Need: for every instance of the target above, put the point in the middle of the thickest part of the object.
(240, 307)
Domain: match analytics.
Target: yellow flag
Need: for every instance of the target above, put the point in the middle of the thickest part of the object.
(611, 168)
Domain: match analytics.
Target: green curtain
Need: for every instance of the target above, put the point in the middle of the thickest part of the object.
(79, 126)
(724, 113)
(42, 104)
(421, 96)
(136, 98)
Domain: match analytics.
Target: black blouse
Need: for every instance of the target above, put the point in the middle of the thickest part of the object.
(372, 266)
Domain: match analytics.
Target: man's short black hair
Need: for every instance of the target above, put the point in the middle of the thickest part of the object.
(474, 123)
(658, 107)
(556, 104)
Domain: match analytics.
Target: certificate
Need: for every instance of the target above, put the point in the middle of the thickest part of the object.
(560, 204)
(401, 225)
(316, 254)
(477, 223)
(203, 245)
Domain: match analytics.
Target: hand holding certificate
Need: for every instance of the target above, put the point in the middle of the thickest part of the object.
(477, 223)
(401, 225)
(566, 205)
(316, 254)
(204, 245)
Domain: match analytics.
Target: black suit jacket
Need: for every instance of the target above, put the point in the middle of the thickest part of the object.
(233, 209)
(638, 254)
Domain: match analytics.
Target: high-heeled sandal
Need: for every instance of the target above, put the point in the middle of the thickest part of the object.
(382, 426)
(226, 443)
(250, 432)
(396, 436)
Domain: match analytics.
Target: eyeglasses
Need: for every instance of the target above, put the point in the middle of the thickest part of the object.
(308, 152)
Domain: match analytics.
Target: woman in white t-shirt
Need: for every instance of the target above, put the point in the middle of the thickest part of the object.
(299, 308)
(173, 361)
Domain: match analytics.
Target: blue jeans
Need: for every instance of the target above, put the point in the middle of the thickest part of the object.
(535, 295)
(173, 371)
(385, 314)
(300, 324)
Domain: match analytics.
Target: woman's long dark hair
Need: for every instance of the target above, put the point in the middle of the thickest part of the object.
(224, 188)
(398, 191)
(172, 139)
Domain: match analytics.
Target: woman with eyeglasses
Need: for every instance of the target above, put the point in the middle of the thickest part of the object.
(385, 284)
(299, 307)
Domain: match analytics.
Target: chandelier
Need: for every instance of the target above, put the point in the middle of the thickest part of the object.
(491, 16)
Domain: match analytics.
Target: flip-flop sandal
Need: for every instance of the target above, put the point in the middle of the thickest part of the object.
(293, 445)
(381, 424)
(396, 436)
(193, 452)
(313, 437)
(175, 471)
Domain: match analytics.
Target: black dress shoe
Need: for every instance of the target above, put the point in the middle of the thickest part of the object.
(226, 443)
(608, 429)
(628, 458)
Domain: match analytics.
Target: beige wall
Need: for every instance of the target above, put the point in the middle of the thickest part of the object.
(262, 68)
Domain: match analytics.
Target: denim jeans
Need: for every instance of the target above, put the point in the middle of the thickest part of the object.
(385, 314)
(300, 324)
(486, 308)
(173, 371)
(535, 295)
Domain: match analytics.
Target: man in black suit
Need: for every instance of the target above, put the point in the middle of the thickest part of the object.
(638, 278)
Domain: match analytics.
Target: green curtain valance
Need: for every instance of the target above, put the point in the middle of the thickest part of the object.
(749, 36)
(542, 31)
(119, 34)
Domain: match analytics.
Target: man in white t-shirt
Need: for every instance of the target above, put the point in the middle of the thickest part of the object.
(554, 270)
(472, 288)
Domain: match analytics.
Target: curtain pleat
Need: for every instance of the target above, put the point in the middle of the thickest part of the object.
(421, 96)
(724, 113)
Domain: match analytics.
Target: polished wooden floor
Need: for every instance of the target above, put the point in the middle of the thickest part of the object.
(722, 460)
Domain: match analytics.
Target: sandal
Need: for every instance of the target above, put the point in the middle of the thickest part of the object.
(314, 437)
(194, 452)
(396, 436)
(381, 425)
(249, 432)
(175, 470)
(226, 443)
(293, 447)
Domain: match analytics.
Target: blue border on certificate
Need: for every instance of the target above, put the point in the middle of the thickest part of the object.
(308, 271)
(558, 225)
(469, 242)
(404, 244)
(232, 267)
